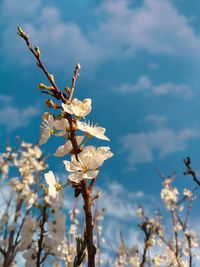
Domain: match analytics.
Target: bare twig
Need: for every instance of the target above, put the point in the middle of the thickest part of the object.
(190, 171)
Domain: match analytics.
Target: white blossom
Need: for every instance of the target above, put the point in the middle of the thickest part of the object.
(46, 128)
(30, 257)
(27, 231)
(57, 228)
(62, 125)
(91, 130)
(169, 195)
(55, 193)
(73, 229)
(187, 193)
(78, 108)
(89, 160)
(157, 260)
(67, 147)
(193, 237)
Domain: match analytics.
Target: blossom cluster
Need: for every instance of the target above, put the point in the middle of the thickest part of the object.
(166, 243)
(32, 221)
(86, 164)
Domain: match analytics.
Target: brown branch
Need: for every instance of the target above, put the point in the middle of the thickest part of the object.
(176, 234)
(76, 74)
(57, 93)
(96, 196)
(148, 235)
(188, 212)
(14, 252)
(190, 250)
(92, 184)
(76, 148)
(163, 177)
(89, 227)
(190, 171)
(40, 241)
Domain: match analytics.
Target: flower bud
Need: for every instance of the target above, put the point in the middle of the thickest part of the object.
(99, 193)
(67, 90)
(37, 50)
(42, 86)
(57, 186)
(20, 30)
(52, 77)
(49, 103)
(21, 33)
(78, 66)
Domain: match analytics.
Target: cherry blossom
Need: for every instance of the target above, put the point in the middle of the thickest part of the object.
(46, 128)
(78, 108)
(67, 147)
(89, 160)
(53, 187)
(62, 125)
(95, 130)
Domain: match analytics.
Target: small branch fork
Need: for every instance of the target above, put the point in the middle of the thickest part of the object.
(187, 162)
(85, 190)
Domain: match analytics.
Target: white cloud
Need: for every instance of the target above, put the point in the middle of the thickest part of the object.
(155, 26)
(132, 236)
(145, 85)
(61, 44)
(12, 117)
(141, 147)
(156, 119)
(153, 66)
(180, 90)
(118, 202)
(5, 99)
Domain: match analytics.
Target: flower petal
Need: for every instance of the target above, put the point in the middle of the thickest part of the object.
(64, 149)
(76, 177)
(67, 147)
(67, 108)
(90, 174)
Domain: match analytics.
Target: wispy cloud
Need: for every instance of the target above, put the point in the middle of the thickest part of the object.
(60, 43)
(144, 85)
(174, 90)
(156, 119)
(12, 117)
(141, 147)
(121, 203)
(154, 26)
(5, 99)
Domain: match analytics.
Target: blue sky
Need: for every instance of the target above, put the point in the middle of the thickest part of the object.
(140, 66)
